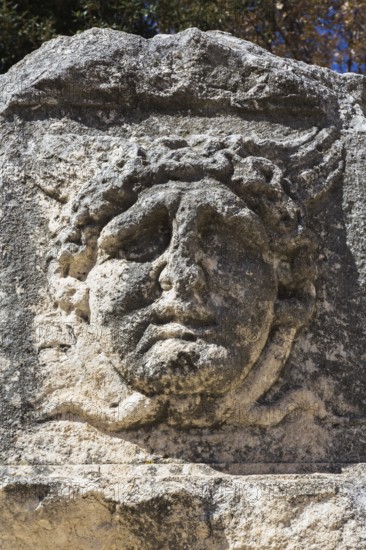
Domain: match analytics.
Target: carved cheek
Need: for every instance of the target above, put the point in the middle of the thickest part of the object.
(117, 288)
(245, 294)
(257, 309)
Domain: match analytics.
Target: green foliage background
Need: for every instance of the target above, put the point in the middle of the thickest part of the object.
(326, 32)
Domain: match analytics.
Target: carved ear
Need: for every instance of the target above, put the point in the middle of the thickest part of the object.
(295, 310)
(71, 295)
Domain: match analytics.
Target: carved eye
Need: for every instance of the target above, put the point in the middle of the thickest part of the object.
(229, 247)
(147, 245)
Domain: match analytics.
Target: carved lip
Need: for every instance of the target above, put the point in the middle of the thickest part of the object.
(155, 333)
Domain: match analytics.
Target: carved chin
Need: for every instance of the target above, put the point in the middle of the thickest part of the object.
(174, 366)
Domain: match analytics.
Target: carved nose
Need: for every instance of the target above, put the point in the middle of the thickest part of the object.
(182, 275)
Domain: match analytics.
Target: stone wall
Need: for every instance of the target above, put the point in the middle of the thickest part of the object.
(183, 297)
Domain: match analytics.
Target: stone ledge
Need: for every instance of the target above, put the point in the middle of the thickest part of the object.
(179, 506)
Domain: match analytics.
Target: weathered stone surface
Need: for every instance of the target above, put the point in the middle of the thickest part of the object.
(185, 507)
(182, 296)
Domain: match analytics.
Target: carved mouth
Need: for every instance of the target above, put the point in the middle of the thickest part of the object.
(155, 333)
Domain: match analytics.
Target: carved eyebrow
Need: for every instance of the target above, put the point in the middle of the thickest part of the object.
(253, 225)
(245, 222)
(235, 212)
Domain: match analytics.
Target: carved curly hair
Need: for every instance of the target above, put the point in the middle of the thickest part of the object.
(273, 180)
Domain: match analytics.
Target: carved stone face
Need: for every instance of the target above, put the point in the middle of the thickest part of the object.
(185, 282)
(191, 262)
(182, 260)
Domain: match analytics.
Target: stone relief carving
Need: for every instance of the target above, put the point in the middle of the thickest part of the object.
(192, 261)
(182, 296)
